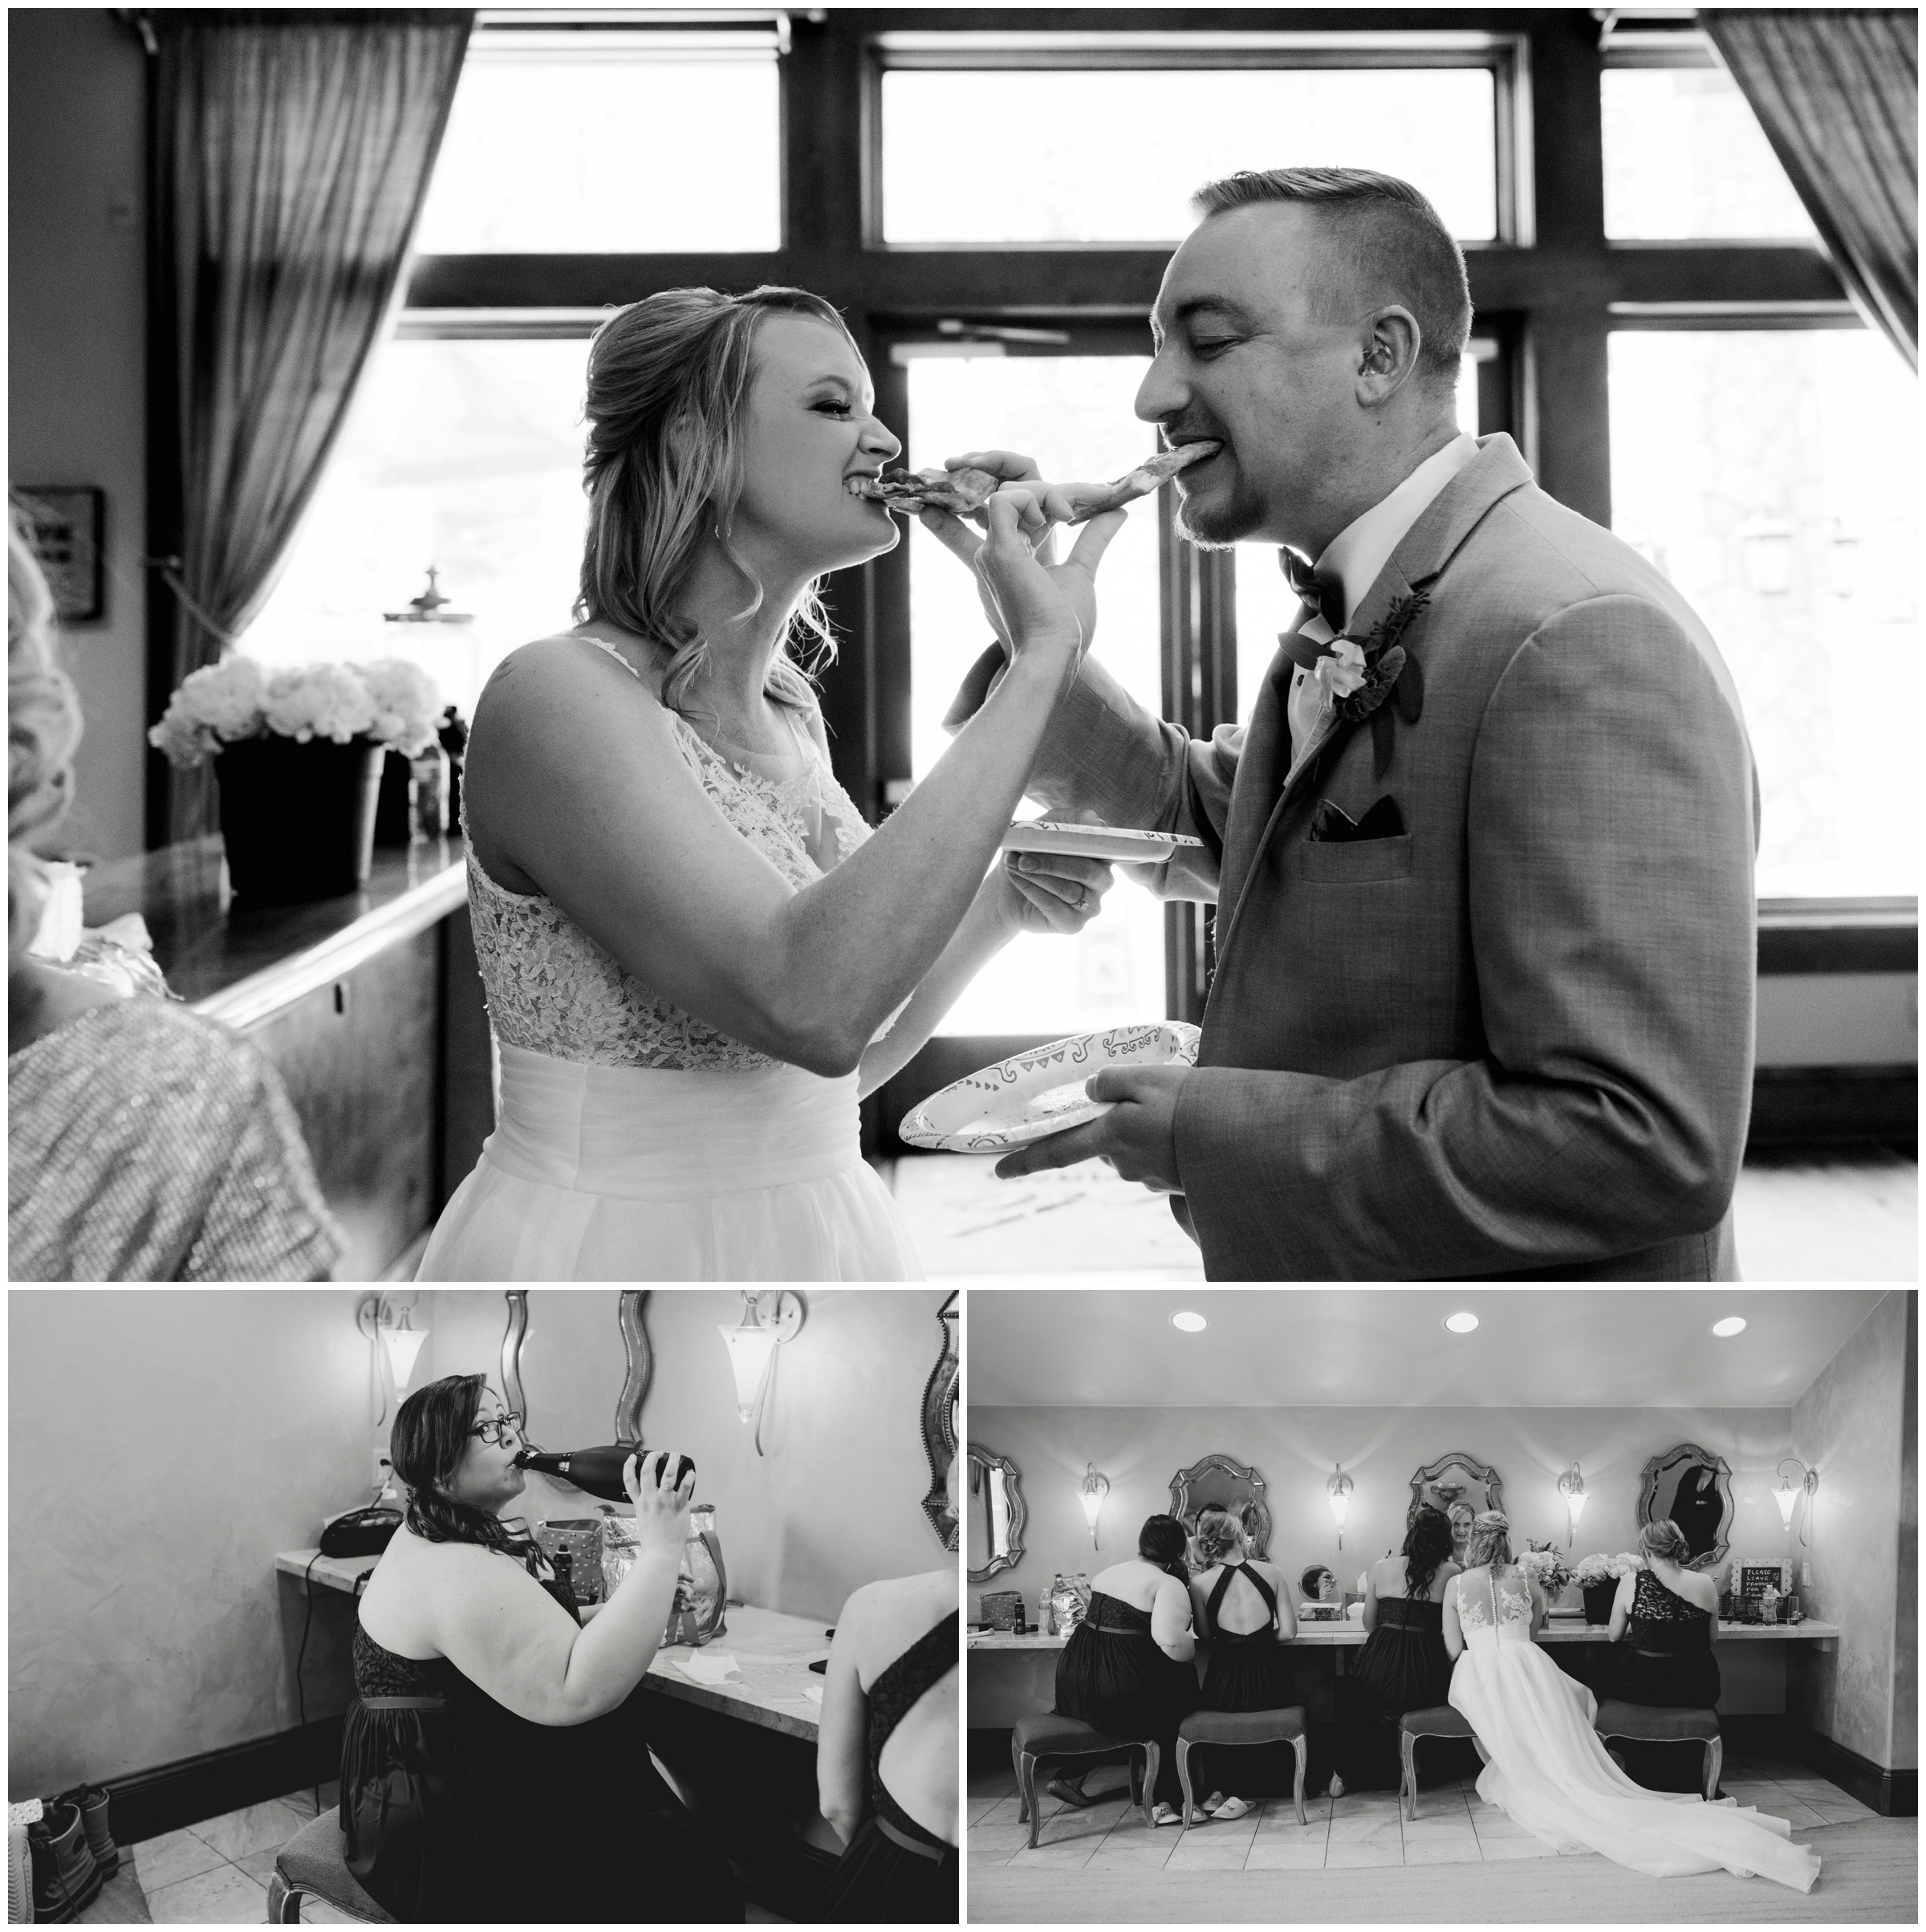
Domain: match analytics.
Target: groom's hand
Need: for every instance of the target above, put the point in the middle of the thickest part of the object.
(1138, 1137)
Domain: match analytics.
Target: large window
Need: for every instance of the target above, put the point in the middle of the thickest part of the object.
(1114, 156)
(1658, 328)
(1758, 472)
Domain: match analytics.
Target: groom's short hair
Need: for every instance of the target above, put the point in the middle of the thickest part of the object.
(1394, 248)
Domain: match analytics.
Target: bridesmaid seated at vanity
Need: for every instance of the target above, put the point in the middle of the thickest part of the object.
(1670, 1614)
(484, 1777)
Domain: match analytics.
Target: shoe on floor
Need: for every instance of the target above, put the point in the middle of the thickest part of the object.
(1335, 1789)
(1234, 1807)
(91, 1801)
(1163, 1814)
(66, 1879)
(1062, 1788)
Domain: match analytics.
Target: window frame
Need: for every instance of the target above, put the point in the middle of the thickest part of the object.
(1555, 294)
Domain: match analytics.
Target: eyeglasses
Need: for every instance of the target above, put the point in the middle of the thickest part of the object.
(498, 1429)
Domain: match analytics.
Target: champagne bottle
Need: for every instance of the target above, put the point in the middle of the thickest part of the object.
(599, 1470)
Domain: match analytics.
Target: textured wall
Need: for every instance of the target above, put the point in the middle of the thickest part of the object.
(163, 1444)
(831, 1504)
(1139, 1449)
(1855, 1426)
(76, 358)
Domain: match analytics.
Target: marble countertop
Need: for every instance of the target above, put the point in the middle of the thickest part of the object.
(1350, 1635)
(239, 967)
(773, 1653)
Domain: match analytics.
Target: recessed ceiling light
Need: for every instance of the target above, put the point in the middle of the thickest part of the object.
(1189, 1322)
(1732, 1324)
(1462, 1322)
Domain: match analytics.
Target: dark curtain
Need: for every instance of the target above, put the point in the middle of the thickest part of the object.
(1837, 94)
(292, 153)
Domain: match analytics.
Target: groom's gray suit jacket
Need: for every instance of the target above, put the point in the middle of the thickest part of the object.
(1516, 1038)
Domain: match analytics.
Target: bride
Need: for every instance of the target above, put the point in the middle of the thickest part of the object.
(696, 955)
(1547, 1768)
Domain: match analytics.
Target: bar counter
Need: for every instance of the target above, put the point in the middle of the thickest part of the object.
(368, 1005)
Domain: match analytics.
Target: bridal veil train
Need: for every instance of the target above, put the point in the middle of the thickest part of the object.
(1547, 1768)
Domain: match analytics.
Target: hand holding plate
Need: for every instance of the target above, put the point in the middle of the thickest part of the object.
(1138, 1137)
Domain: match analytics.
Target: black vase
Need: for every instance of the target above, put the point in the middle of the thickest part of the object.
(298, 819)
(1598, 1602)
(394, 812)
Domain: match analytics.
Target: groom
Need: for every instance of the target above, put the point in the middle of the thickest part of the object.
(1482, 858)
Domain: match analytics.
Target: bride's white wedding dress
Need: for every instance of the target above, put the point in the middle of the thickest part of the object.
(1547, 1768)
(633, 1142)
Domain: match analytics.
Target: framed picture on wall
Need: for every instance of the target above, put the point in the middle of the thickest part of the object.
(64, 527)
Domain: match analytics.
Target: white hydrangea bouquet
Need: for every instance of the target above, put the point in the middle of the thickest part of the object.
(1594, 1570)
(390, 701)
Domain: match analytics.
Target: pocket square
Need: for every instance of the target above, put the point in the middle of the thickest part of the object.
(1333, 824)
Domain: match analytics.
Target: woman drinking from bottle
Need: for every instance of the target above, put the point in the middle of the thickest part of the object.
(481, 1756)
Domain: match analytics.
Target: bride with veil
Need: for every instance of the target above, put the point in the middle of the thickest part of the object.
(1548, 1769)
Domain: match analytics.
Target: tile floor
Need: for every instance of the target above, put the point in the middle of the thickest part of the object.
(1845, 1219)
(1453, 1826)
(215, 1873)
(212, 1873)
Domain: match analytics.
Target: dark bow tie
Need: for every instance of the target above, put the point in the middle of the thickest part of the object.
(1326, 600)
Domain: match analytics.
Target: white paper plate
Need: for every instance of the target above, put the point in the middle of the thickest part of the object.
(1096, 841)
(1040, 1092)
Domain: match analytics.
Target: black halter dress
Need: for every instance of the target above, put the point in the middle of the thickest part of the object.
(1113, 1674)
(1403, 1666)
(1667, 1661)
(895, 1873)
(456, 1811)
(1246, 1670)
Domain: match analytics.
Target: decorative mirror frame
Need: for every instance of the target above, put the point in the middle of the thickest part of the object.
(1648, 1494)
(1014, 1487)
(512, 1339)
(939, 1443)
(1494, 1487)
(641, 1364)
(1224, 1465)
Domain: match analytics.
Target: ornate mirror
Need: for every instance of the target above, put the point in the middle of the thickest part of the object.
(1693, 1487)
(941, 1396)
(993, 1514)
(1218, 1479)
(1456, 1478)
(640, 1354)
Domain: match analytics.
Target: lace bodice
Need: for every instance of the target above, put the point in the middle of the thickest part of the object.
(1495, 1604)
(554, 990)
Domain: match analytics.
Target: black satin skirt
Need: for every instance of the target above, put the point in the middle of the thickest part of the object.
(1402, 1666)
(880, 1882)
(1121, 1683)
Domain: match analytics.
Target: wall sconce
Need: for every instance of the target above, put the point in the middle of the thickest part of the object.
(768, 1320)
(1337, 1490)
(377, 1316)
(1572, 1486)
(1786, 1496)
(1092, 1491)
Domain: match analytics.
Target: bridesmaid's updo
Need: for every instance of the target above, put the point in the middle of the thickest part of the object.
(1218, 1534)
(668, 379)
(1664, 1538)
(1490, 1539)
(1162, 1541)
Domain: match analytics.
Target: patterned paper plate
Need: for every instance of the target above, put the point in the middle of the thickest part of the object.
(1114, 842)
(1040, 1092)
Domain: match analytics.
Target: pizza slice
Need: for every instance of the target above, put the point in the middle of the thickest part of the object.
(964, 492)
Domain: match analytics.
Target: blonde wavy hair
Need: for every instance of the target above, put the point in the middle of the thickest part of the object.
(1490, 1540)
(1664, 1538)
(667, 380)
(43, 728)
(1218, 1533)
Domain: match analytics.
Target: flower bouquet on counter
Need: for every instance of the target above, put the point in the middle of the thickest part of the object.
(1598, 1576)
(1548, 1569)
(298, 754)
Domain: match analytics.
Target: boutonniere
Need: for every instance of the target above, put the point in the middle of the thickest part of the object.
(1358, 674)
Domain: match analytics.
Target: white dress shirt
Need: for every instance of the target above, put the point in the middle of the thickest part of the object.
(1353, 560)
